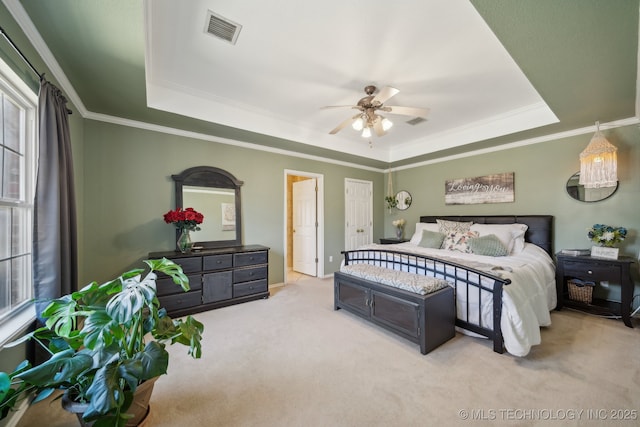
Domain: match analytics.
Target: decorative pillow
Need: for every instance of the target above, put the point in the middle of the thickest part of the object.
(511, 235)
(459, 241)
(451, 227)
(420, 226)
(489, 245)
(431, 239)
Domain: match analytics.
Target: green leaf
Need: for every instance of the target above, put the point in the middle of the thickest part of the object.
(100, 329)
(43, 395)
(5, 385)
(73, 367)
(154, 360)
(45, 373)
(61, 315)
(135, 295)
(10, 401)
(105, 393)
(171, 269)
(132, 372)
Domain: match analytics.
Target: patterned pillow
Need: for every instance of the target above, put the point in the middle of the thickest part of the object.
(431, 239)
(489, 245)
(459, 241)
(450, 227)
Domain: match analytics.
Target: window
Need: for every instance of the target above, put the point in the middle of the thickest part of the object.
(17, 184)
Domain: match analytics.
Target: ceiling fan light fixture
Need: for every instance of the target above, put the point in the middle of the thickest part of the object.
(358, 124)
(386, 124)
(366, 132)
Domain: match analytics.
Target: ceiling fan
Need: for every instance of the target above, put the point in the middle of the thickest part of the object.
(368, 119)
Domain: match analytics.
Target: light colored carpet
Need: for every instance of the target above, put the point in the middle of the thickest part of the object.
(291, 360)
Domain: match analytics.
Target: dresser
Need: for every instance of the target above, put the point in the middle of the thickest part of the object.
(591, 269)
(218, 277)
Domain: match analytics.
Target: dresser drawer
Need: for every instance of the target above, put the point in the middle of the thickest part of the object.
(181, 301)
(189, 264)
(218, 262)
(250, 258)
(217, 286)
(249, 273)
(591, 271)
(249, 288)
(166, 286)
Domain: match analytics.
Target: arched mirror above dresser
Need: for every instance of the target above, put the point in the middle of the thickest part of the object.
(216, 194)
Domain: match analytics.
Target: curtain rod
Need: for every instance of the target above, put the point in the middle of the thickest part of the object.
(13, 45)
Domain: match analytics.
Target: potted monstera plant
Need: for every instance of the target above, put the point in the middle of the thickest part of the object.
(107, 345)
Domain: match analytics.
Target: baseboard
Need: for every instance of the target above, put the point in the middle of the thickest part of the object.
(15, 417)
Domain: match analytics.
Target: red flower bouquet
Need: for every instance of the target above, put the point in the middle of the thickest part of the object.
(187, 219)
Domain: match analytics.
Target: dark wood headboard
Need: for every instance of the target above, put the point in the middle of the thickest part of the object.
(540, 231)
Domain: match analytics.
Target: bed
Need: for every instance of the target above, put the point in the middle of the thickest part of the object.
(504, 298)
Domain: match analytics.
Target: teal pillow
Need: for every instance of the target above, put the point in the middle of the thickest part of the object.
(488, 245)
(431, 239)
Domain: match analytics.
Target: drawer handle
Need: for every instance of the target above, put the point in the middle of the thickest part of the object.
(218, 262)
(589, 271)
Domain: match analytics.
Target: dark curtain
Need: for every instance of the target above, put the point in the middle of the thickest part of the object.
(54, 233)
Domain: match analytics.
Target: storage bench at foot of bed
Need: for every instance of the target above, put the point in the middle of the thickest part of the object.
(428, 320)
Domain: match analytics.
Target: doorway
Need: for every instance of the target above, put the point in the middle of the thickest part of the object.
(304, 224)
(358, 213)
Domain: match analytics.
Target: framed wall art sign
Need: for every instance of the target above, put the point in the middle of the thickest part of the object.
(497, 188)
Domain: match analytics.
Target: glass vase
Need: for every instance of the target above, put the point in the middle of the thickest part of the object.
(184, 241)
(399, 233)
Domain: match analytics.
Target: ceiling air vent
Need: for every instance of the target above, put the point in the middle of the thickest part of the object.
(416, 121)
(222, 28)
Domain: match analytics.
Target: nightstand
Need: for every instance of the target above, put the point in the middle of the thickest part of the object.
(392, 240)
(587, 268)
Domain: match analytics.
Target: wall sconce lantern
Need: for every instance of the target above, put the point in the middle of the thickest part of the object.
(599, 162)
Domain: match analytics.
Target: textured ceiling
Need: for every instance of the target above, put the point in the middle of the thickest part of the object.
(492, 73)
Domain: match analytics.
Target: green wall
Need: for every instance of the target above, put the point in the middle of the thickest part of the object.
(128, 187)
(541, 172)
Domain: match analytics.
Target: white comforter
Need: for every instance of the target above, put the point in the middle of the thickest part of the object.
(526, 302)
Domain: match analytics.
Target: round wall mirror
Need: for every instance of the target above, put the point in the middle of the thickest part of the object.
(578, 192)
(404, 200)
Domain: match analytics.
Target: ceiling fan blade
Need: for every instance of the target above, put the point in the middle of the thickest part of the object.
(407, 111)
(385, 94)
(344, 124)
(377, 127)
(338, 106)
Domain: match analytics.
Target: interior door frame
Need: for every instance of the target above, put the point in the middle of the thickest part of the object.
(319, 218)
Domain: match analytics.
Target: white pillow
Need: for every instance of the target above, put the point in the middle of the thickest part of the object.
(511, 235)
(417, 236)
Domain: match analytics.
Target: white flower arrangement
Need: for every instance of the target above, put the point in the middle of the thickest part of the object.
(399, 223)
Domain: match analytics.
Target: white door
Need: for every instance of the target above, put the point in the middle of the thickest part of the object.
(359, 213)
(305, 227)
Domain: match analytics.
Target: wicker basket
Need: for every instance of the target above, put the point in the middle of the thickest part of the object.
(580, 292)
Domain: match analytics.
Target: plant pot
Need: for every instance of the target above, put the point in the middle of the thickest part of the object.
(139, 408)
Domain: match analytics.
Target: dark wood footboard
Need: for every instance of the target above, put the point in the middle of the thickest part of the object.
(474, 284)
